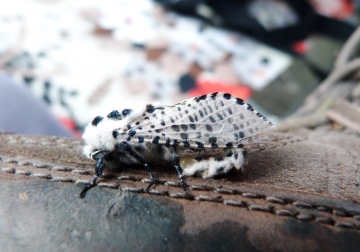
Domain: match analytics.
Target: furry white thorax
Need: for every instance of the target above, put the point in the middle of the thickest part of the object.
(100, 137)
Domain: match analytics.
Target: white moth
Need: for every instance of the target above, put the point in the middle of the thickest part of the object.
(214, 131)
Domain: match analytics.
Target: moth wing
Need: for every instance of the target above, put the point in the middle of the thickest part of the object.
(213, 119)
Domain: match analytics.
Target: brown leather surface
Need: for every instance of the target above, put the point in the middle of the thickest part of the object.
(301, 196)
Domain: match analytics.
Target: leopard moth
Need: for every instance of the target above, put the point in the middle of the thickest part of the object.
(215, 130)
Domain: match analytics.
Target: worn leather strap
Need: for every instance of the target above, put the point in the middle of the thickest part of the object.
(309, 186)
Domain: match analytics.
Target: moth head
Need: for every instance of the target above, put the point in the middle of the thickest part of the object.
(101, 133)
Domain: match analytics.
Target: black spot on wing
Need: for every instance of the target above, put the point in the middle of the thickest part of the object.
(200, 98)
(184, 127)
(208, 128)
(141, 139)
(184, 135)
(250, 107)
(236, 136)
(213, 95)
(192, 126)
(205, 111)
(212, 140)
(227, 96)
(239, 101)
(115, 134)
(229, 145)
(175, 128)
(151, 110)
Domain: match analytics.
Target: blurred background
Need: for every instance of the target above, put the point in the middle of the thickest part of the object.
(63, 61)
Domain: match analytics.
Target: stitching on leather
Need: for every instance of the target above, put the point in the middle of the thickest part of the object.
(217, 199)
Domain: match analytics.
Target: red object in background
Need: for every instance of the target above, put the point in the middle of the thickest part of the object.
(301, 47)
(340, 9)
(70, 125)
(207, 86)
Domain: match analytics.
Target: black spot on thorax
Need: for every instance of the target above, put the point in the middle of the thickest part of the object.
(97, 120)
(126, 112)
(115, 115)
(132, 132)
(115, 134)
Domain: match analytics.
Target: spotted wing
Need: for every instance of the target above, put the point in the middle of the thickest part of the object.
(213, 120)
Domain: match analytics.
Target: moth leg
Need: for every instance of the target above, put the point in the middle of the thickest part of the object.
(99, 167)
(139, 158)
(148, 169)
(175, 162)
